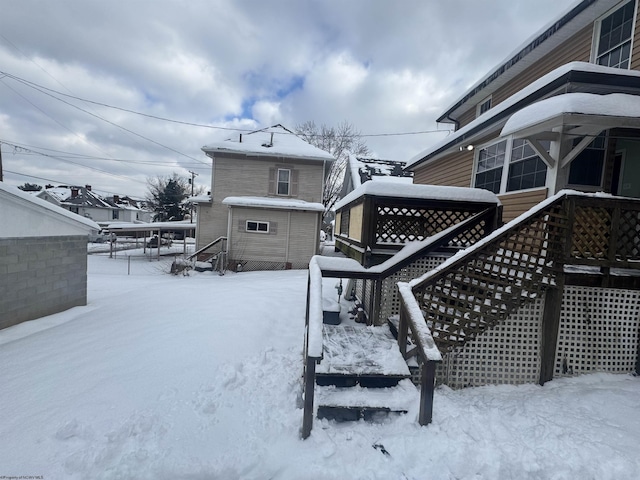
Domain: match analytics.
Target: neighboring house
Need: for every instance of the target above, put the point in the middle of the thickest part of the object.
(129, 210)
(561, 112)
(266, 198)
(360, 170)
(85, 202)
(43, 257)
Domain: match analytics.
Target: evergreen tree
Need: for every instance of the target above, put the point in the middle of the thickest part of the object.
(166, 198)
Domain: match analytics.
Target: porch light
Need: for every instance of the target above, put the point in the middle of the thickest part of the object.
(468, 147)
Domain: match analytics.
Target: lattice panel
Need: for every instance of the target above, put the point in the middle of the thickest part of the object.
(598, 331)
(389, 298)
(591, 232)
(508, 353)
(505, 274)
(405, 224)
(628, 243)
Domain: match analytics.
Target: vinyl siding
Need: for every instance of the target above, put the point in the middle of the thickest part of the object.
(454, 170)
(514, 204)
(635, 49)
(304, 238)
(576, 48)
(293, 236)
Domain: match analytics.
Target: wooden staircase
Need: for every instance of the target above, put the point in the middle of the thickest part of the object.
(362, 374)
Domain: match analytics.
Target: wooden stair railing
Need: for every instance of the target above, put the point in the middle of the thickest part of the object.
(220, 255)
(479, 287)
(335, 268)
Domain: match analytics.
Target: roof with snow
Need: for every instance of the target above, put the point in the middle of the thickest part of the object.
(275, 141)
(619, 109)
(25, 215)
(571, 72)
(426, 192)
(362, 170)
(273, 203)
(84, 197)
(561, 28)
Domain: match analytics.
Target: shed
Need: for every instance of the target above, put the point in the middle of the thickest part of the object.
(43, 257)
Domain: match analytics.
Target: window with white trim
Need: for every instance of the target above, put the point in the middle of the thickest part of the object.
(257, 226)
(613, 38)
(284, 181)
(490, 162)
(524, 167)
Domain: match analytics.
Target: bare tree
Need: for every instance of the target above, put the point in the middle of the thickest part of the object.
(339, 141)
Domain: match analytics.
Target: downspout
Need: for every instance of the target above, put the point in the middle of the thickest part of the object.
(286, 248)
(229, 220)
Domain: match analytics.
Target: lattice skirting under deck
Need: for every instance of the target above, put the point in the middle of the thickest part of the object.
(598, 332)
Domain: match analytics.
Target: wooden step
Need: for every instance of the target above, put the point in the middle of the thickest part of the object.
(350, 404)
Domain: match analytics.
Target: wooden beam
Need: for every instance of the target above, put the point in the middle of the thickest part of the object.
(577, 150)
(542, 152)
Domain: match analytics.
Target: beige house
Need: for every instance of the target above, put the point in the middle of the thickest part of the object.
(561, 112)
(266, 199)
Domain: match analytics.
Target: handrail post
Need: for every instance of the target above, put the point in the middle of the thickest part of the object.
(427, 388)
(309, 387)
(403, 330)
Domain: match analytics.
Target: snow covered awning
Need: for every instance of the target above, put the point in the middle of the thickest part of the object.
(577, 114)
(273, 203)
(585, 111)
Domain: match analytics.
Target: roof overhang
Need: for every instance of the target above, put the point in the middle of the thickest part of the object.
(577, 17)
(575, 76)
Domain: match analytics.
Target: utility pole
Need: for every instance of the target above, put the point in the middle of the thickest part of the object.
(193, 175)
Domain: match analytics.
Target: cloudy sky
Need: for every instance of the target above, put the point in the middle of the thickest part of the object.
(387, 67)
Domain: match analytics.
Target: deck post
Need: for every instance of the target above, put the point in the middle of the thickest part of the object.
(403, 332)
(550, 327)
(427, 388)
(309, 385)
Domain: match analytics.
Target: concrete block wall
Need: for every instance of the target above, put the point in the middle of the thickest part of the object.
(40, 276)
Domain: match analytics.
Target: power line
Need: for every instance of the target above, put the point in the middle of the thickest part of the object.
(193, 124)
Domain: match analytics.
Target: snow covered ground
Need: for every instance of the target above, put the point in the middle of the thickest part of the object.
(198, 377)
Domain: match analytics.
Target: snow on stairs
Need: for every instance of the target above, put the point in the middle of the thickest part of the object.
(362, 374)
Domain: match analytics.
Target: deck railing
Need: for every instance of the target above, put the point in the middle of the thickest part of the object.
(523, 260)
(321, 267)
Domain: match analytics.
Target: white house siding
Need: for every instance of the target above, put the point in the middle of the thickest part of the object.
(250, 177)
(304, 238)
(290, 243)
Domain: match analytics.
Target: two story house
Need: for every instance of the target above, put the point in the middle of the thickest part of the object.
(560, 112)
(266, 199)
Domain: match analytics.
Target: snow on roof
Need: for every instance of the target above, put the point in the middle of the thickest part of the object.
(276, 203)
(376, 169)
(518, 97)
(124, 226)
(427, 192)
(200, 199)
(48, 206)
(274, 141)
(613, 104)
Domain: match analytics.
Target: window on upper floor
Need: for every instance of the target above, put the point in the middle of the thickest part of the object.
(586, 169)
(613, 37)
(483, 106)
(115, 214)
(284, 181)
(525, 169)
